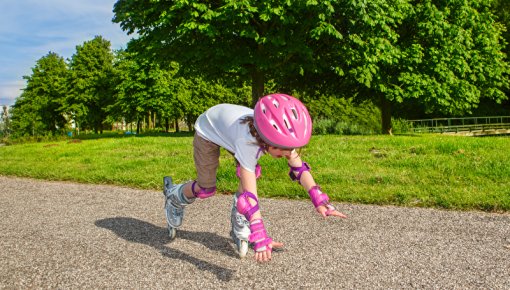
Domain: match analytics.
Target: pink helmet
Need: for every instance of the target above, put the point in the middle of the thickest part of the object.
(282, 121)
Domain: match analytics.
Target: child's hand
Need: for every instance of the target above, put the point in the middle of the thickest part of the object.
(329, 210)
(265, 256)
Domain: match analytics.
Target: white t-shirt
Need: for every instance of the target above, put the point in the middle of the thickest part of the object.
(221, 124)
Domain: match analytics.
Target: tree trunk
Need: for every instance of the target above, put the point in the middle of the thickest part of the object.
(257, 86)
(386, 115)
(154, 122)
(149, 121)
(177, 129)
(190, 125)
(167, 125)
(138, 124)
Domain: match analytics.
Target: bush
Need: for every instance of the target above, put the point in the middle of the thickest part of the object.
(401, 126)
(324, 126)
(336, 115)
(328, 126)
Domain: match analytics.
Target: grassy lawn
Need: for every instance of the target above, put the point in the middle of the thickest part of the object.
(464, 173)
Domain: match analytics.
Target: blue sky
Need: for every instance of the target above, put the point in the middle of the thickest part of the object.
(29, 29)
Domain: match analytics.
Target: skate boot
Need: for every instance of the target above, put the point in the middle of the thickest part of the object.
(175, 202)
(240, 230)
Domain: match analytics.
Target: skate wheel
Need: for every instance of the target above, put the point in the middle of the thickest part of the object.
(243, 248)
(172, 232)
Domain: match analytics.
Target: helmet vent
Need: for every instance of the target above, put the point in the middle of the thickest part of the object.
(263, 108)
(294, 112)
(276, 104)
(277, 128)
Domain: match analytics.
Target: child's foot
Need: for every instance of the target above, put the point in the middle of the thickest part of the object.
(240, 230)
(174, 206)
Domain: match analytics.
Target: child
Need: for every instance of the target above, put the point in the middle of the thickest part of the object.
(278, 125)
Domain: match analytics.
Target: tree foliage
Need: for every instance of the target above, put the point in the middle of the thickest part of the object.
(446, 53)
(90, 75)
(6, 122)
(145, 87)
(432, 57)
(38, 109)
(259, 40)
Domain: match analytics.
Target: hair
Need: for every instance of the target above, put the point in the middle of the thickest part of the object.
(253, 131)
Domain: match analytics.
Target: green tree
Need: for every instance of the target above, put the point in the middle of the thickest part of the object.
(143, 89)
(38, 109)
(446, 55)
(257, 40)
(6, 121)
(91, 90)
(501, 9)
(195, 95)
(24, 117)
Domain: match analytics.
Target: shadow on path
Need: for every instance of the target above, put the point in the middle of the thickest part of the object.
(138, 231)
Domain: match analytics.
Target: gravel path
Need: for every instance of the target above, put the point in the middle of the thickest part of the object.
(65, 235)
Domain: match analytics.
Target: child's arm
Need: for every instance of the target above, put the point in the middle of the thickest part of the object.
(305, 178)
(249, 184)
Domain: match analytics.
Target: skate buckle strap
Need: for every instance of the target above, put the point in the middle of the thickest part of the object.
(319, 198)
(304, 167)
(244, 206)
(203, 192)
(258, 171)
(261, 242)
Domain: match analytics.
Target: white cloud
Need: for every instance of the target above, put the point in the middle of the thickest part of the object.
(9, 91)
(29, 29)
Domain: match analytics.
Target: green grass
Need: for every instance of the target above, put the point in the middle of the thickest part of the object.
(463, 173)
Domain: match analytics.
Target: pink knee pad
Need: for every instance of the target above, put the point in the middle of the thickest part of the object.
(258, 171)
(203, 192)
(244, 206)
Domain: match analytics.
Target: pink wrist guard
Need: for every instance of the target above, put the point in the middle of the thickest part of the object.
(304, 167)
(319, 198)
(261, 242)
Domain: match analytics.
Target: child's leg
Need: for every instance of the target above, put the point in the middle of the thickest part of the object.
(206, 155)
(177, 196)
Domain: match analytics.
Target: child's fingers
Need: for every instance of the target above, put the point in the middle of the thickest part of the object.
(338, 214)
(266, 256)
(263, 256)
(325, 212)
(258, 256)
(276, 245)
